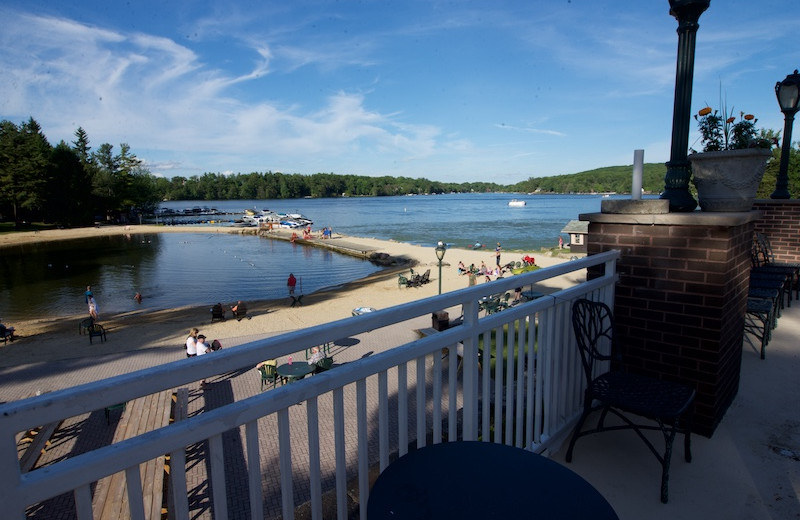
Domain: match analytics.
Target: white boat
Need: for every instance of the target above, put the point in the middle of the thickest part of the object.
(516, 203)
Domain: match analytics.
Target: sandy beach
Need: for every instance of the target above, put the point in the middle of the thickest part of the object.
(47, 338)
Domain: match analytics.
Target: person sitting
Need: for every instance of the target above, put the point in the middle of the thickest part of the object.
(6, 333)
(317, 355)
(461, 268)
(240, 310)
(217, 312)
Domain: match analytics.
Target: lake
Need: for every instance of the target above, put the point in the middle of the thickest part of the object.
(458, 219)
(177, 269)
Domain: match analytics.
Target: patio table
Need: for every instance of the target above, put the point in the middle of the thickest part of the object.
(295, 370)
(480, 480)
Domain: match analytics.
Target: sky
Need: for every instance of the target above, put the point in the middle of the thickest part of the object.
(453, 91)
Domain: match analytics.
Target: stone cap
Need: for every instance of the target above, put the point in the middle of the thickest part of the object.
(693, 218)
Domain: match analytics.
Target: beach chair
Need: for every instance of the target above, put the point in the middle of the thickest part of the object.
(323, 364)
(269, 374)
(84, 324)
(241, 312)
(217, 313)
(6, 334)
(96, 330)
(425, 278)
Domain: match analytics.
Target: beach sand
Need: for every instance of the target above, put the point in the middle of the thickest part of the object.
(42, 339)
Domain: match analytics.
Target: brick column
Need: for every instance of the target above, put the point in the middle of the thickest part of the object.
(780, 221)
(681, 298)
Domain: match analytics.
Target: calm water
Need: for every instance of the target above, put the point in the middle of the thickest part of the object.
(458, 219)
(169, 270)
(173, 270)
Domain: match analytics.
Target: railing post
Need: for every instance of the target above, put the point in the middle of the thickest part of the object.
(470, 432)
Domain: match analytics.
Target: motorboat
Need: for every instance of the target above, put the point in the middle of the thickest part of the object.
(516, 203)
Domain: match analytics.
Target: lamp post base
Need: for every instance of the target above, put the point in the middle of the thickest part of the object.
(680, 200)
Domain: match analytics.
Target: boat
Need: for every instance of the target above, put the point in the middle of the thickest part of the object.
(516, 203)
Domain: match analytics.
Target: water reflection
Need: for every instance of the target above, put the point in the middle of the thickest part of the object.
(169, 270)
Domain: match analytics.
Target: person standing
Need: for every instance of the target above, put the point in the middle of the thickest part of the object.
(291, 283)
(560, 242)
(88, 293)
(497, 254)
(202, 349)
(92, 306)
(191, 343)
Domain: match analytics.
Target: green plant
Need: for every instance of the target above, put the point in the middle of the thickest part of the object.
(724, 132)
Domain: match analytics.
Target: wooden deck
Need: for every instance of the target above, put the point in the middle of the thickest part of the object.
(142, 415)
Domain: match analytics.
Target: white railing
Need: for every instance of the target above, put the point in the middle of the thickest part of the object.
(374, 406)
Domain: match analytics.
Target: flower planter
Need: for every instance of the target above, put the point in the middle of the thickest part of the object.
(728, 180)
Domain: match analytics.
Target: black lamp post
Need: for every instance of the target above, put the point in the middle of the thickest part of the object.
(676, 181)
(788, 92)
(440, 251)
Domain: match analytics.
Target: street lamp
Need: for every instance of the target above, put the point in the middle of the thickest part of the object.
(676, 181)
(441, 249)
(788, 92)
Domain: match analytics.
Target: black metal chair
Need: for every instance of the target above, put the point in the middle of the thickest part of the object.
(617, 392)
(96, 330)
(760, 320)
(763, 260)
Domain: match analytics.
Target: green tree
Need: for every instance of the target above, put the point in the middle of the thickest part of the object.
(69, 197)
(24, 168)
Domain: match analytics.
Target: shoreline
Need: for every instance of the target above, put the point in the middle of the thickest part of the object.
(42, 339)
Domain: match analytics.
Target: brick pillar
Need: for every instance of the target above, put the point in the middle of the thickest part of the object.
(780, 221)
(681, 299)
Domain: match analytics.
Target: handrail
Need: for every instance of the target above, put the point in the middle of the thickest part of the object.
(19, 490)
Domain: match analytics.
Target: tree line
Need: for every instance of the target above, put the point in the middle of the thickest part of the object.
(71, 185)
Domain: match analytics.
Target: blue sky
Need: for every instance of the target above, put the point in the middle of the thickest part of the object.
(454, 91)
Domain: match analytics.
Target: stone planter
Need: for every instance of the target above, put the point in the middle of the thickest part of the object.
(728, 180)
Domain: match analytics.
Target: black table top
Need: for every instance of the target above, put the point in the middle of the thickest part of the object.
(481, 480)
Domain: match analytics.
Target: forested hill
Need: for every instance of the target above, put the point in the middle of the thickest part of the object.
(616, 179)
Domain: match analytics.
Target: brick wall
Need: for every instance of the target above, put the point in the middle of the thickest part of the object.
(681, 298)
(780, 221)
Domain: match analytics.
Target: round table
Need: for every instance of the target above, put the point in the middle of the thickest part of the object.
(481, 480)
(295, 370)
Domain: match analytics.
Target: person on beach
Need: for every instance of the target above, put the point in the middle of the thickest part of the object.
(191, 342)
(497, 254)
(291, 283)
(7, 332)
(560, 242)
(483, 269)
(462, 269)
(202, 349)
(92, 307)
(87, 293)
(201, 346)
